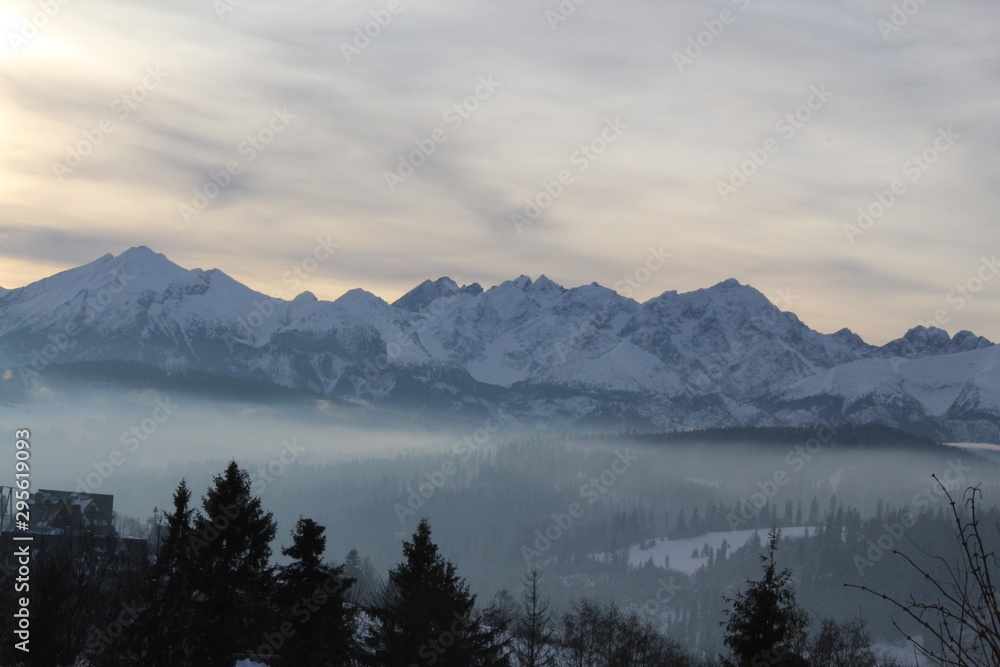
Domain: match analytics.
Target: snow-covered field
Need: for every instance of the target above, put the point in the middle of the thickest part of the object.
(975, 445)
(679, 551)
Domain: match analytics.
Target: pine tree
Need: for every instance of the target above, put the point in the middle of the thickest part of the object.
(680, 530)
(765, 625)
(363, 573)
(308, 543)
(425, 614)
(535, 638)
(158, 636)
(352, 564)
(313, 597)
(230, 542)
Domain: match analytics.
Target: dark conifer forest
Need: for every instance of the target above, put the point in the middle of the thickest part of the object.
(639, 559)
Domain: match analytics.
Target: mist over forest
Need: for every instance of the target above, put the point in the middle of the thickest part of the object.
(549, 333)
(665, 525)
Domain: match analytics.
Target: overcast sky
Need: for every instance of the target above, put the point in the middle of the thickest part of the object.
(116, 114)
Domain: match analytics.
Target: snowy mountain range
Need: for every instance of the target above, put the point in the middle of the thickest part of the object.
(550, 356)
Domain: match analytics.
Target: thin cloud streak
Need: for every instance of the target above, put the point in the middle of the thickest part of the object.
(326, 173)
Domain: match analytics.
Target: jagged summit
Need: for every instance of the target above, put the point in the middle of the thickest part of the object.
(716, 356)
(921, 341)
(426, 293)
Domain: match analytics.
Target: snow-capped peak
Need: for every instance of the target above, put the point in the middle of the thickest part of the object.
(358, 298)
(305, 297)
(521, 282)
(921, 341)
(424, 294)
(152, 268)
(727, 342)
(543, 284)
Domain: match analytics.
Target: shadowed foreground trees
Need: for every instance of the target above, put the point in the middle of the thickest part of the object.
(765, 625)
(767, 628)
(212, 592)
(425, 614)
(314, 594)
(534, 638)
(963, 621)
(605, 636)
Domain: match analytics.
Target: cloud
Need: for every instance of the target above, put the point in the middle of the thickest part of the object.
(659, 184)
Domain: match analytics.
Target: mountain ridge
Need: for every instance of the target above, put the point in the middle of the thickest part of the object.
(717, 356)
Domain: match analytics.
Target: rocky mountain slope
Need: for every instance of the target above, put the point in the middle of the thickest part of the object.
(553, 356)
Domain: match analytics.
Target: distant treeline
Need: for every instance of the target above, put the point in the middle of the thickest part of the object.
(845, 435)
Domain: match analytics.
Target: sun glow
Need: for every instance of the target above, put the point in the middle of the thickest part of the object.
(31, 34)
(11, 27)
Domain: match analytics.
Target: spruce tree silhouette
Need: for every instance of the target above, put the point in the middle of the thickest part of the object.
(765, 625)
(312, 596)
(170, 590)
(231, 544)
(425, 614)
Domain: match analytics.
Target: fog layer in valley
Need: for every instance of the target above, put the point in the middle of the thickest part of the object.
(585, 510)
